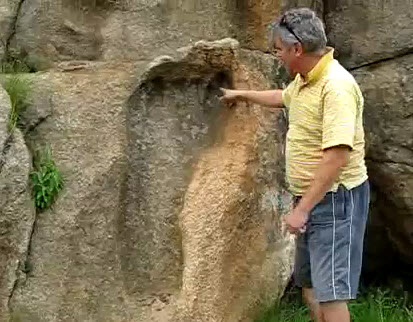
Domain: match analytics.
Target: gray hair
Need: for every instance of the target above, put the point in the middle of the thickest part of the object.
(300, 25)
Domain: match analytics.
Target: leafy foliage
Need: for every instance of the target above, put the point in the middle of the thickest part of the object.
(47, 180)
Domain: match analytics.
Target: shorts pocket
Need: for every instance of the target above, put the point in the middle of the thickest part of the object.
(330, 209)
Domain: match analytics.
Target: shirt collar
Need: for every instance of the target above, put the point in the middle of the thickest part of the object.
(319, 68)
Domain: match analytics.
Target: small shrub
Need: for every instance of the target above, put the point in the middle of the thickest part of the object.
(18, 89)
(46, 178)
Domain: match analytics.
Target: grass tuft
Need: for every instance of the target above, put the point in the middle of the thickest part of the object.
(18, 88)
(14, 66)
(375, 305)
(47, 179)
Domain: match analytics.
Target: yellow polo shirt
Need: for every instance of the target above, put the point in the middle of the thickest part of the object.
(325, 110)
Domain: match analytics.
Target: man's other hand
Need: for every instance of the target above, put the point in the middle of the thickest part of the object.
(296, 221)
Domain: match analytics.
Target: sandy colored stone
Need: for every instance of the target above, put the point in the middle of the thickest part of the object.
(75, 263)
(253, 18)
(112, 246)
(225, 166)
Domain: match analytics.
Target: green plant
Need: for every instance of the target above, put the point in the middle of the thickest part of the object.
(47, 180)
(286, 311)
(289, 308)
(375, 305)
(18, 88)
(14, 66)
(381, 306)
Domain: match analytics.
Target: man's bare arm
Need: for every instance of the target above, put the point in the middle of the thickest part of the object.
(334, 159)
(270, 98)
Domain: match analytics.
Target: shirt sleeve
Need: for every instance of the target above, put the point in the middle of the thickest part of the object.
(339, 117)
(286, 94)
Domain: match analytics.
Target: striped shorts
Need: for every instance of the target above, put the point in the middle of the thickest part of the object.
(329, 254)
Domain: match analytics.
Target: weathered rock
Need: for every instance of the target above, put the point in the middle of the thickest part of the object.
(375, 35)
(75, 261)
(366, 31)
(40, 105)
(5, 107)
(253, 18)
(389, 123)
(56, 30)
(208, 176)
(48, 31)
(8, 15)
(111, 248)
(17, 213)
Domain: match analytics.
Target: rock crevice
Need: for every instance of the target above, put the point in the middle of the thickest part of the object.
(404, 53)
(5, 149)
(12, 29)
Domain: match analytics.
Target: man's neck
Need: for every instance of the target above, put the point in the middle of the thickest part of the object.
(310, 61)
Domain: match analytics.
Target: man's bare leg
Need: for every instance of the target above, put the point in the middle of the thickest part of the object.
(309, 298)
(335, 311)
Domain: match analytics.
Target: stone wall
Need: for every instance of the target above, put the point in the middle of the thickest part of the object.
(163, 185)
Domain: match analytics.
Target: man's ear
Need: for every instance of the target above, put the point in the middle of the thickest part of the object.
(298, 49)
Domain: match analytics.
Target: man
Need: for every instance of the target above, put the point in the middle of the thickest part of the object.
(325, 163)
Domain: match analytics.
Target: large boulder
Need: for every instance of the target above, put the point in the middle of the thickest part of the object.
(367, 31)
(205, 186)
(389, 122)
(138, 152)
(74, 271)
(363, 34)
(17, 214)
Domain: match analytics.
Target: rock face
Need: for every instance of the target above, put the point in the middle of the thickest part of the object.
(215, 177)
(56, 30)
(8, 14)
(166, 193)
(75, 272)
(365, 31)
(362, 31)
(389, 119)
(172, 205)
(17, 213)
